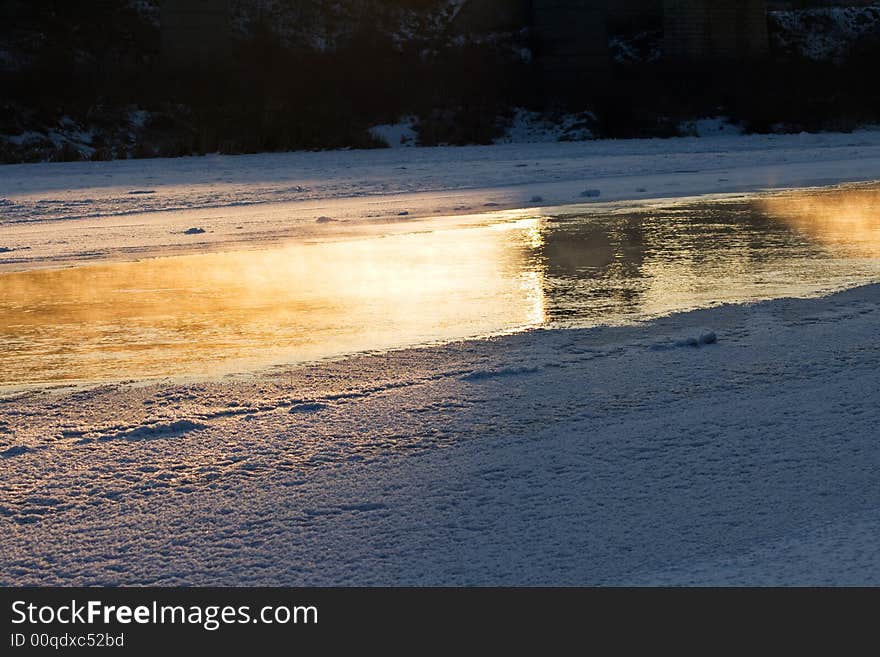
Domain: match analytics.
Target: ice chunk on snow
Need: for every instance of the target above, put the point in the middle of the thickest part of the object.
(705, 338)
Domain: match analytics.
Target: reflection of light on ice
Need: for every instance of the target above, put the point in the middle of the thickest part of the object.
(533, 278)
(528, 238)
(849, 217)
(533, 285)
(498, 273)
(534, 236)
(224, 312)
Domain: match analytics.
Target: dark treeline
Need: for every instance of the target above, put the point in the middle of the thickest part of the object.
(780, 95)
(94, 61)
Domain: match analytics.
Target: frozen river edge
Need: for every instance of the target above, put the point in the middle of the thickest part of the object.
(733, 445)
(70, 214)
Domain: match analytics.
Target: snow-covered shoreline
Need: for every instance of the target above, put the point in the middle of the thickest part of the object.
(731, 445)
(69, 213)
(598, 456)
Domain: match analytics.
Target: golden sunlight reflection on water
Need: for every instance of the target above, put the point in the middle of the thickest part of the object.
(849, 219)
(226, 312)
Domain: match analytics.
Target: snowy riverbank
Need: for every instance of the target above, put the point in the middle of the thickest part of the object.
(735, 444)
(601, 456)
(69, 213)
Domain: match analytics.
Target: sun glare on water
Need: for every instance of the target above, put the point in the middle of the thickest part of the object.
(219, 313)
(224, 312)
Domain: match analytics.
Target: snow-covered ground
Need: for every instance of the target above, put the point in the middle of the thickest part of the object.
(70, 212)
(598, 456)
(527, 127)
(731, 445)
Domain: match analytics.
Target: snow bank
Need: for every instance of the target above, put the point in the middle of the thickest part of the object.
(527, 127)
(710, 127)
(398, 134)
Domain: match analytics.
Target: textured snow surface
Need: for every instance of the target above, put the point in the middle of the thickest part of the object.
(629, 455)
